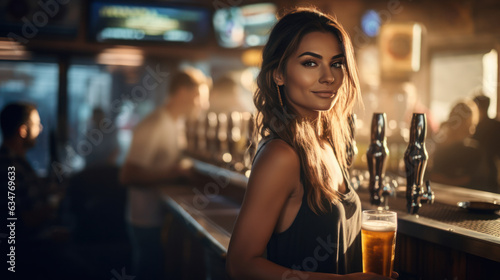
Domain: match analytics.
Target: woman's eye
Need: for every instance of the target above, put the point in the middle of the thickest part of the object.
(337, 64)
(309, 63)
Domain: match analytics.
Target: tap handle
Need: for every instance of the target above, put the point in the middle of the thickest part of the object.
(376, 156)
(428, 194)
(413, 198)
(377, 134)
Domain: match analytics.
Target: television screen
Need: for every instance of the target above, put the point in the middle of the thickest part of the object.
(111, 21)
(33, 19)
(244, 26)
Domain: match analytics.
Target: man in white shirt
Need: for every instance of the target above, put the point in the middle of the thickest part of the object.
(153, 161)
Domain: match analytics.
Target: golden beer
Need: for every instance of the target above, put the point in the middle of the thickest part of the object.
(378, 239)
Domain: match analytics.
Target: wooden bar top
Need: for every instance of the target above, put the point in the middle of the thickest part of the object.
(211, 215)
(212, 222)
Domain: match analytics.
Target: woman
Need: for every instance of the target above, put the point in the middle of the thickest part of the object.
(298, 205)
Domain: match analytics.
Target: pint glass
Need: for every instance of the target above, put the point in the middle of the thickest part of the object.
(378, 237)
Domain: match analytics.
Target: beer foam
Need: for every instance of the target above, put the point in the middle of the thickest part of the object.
(377, 225)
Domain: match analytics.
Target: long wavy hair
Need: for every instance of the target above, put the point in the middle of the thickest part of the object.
(276, 121)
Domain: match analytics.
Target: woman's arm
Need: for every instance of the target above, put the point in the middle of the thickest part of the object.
(275, 175)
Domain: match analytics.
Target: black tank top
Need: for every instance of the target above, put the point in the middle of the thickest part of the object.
(329, 242)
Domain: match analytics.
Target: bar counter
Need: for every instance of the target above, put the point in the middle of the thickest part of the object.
(442, 242)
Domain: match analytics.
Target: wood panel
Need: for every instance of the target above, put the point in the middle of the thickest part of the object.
(417, 259)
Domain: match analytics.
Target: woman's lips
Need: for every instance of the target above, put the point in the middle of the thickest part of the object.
(324, 93)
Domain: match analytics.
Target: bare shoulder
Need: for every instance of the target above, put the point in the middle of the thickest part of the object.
(278, 153)
(277, 165)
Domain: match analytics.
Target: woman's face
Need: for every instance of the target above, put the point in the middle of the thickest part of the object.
(313, 74)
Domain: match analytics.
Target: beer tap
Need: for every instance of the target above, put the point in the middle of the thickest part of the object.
(415, 162)
(377, 157)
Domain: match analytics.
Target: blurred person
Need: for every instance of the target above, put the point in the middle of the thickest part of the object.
(153, 161)
(37, 234)
(102, 133)
(21, 126)
(457, 156)
(488, 135)
(95, 200)
(225, 96)
(298, 192)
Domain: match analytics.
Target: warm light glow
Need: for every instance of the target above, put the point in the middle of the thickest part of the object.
(235, 134)
(222, 135)
(252, 57)
(124, 56)
(247, 79)
(212, 118)
(227, 157)
(204, 97)
(11, 50)
(490, 80)
(416, 46)
(152, 24)
(239, 166)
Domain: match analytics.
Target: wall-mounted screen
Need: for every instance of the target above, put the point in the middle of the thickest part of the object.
(24, 20)
(244, 26)
(112, 21)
